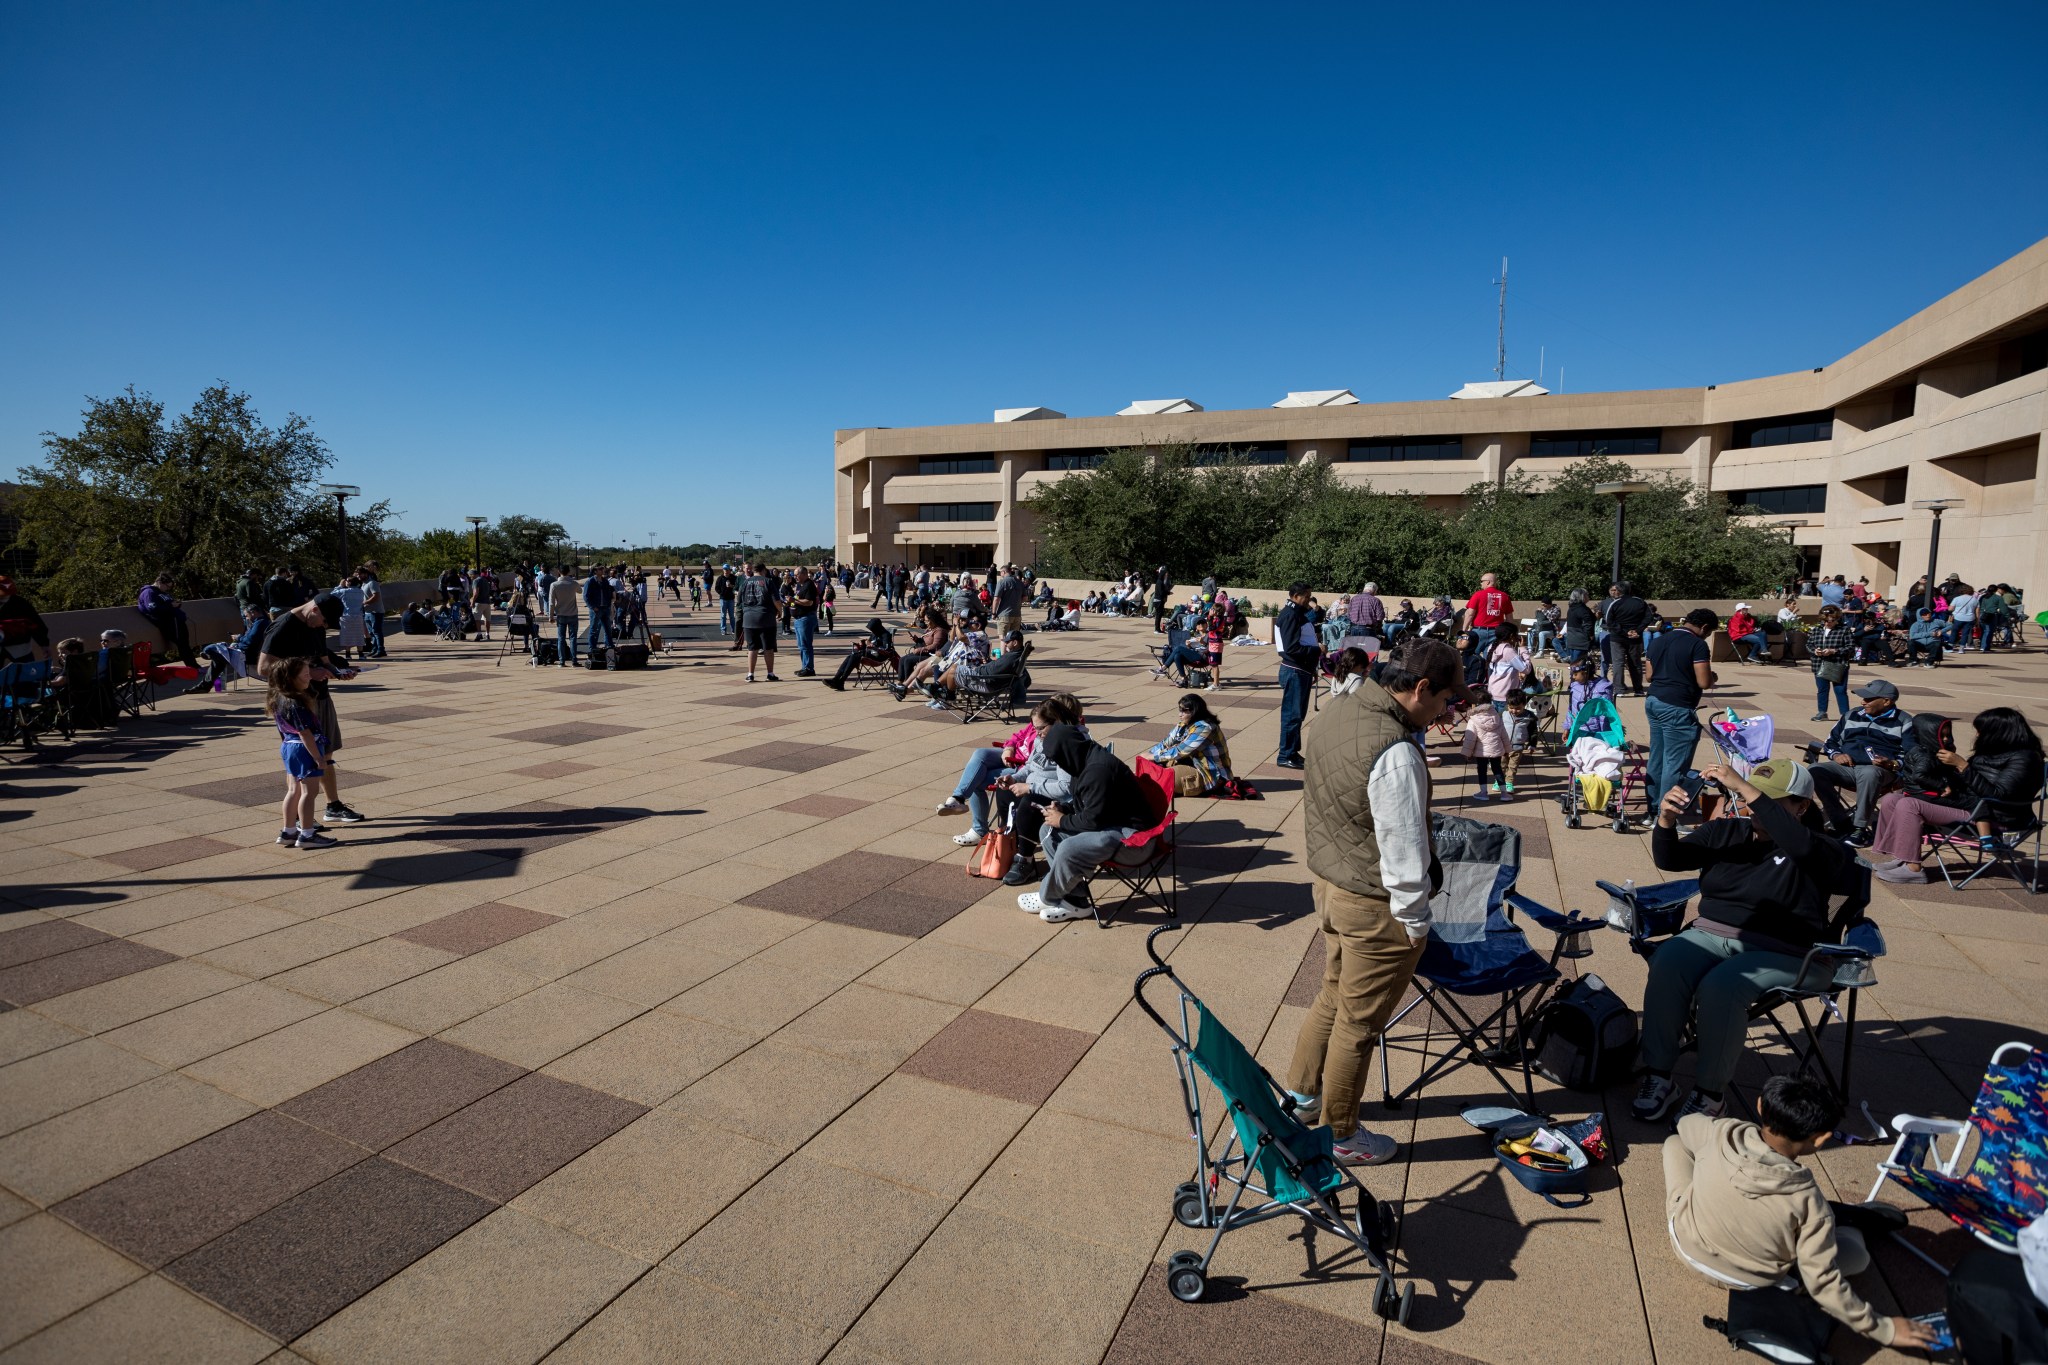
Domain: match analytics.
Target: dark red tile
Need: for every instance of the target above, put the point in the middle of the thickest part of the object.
(514, 1137)
(77, 969)
(945, 881)
(398, 715)
(46, 939)
(892, 912)
(477, 928)
(576, 732)
(150, 857)
(267, 789)
(1016, 1059)
(1159, 1329)
(397, 1095)
(183, 1200)
(289, 1269)
(592, 688)
(558, 769)
(824, 807)
(788, 758)
(832, 886)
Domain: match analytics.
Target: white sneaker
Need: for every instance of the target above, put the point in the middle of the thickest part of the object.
(967, 838)
(1699, 1103)
(1308, 1109)
(1654, 1098)
(952, 805)
(1364, 1149)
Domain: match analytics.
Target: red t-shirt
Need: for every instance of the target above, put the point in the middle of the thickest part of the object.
(1487, 608)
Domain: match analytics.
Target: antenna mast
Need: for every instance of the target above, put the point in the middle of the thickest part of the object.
(1500, 350)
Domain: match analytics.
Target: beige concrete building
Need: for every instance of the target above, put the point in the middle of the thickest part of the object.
(1951, 403)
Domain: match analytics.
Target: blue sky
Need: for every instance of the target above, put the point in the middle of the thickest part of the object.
(630, 265)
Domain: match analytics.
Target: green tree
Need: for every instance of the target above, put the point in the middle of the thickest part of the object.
(201, 496)
(523, 542)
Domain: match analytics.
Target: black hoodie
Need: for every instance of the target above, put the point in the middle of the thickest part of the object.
(1920, 772)
(1107, 795)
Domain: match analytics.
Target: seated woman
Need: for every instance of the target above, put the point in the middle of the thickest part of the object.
(993, 677)
(2003, 771)
(1022, 796)
(158, 603)
(997, 765)
(878, 646)
(1403, 620)
(967, 645)
(1196, 750)
(928, 638)
(1765, 878)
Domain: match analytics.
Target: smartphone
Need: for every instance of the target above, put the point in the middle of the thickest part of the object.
(1692, 782)
(1937, 1326)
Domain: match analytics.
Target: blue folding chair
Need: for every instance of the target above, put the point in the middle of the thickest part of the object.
(24, 698)
(1477, 953)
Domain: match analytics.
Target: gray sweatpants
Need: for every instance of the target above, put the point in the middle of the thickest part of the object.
(1074, 856)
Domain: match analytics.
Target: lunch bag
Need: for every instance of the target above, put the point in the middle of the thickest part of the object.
(1585, 1038)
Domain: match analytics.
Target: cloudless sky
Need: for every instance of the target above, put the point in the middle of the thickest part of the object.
(628, 266)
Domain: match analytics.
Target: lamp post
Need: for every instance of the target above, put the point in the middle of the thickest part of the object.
(1621, 491)
(341, 493)
(476, 539)
(1937, 506)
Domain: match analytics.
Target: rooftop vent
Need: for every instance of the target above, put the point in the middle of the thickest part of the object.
(1502, 388)
(1318, 398)
(1156, 407)
(1026, 414)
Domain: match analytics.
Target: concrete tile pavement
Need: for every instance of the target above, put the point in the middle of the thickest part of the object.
(672, 1026)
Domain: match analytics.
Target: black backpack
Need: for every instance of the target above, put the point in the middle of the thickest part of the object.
(1585, 1038)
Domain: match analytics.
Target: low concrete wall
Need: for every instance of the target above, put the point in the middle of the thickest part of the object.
(210, 619)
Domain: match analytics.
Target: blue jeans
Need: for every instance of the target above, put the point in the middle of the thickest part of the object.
(805, 628)
(1482, 640)
(1295, 687)
(1540, 639)
(565, 639)
(1756, 644)
(982, 767)
(598, 624)
(725, 616)
(1820, 694)
(1674, 734)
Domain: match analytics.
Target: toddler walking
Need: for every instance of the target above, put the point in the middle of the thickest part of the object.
(304, 750)
(1520, 723)
(1486, 744)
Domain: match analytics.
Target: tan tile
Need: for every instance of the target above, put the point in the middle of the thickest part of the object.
(932, 1137)
(191, 937)
(941, 971)
(1070, 997)
(180, 1036)
(763, 1248)
(985, 1288)
(545, 1023)
(561, 948)
(996, 928)
(651, 1058)
(127, 999)
(863, 1024)
(507, 1289)
(56, 1270)
(360, 970)
(735, 931)
(150, 1322)
(61, 1156)
(835, 950)
(1085, 1179)
(445, 996)
(63, 1078)
(24, 1033)
(280, 951)
(650, 1185)
(13, 1208)
(277, 1066)
(776, 1094)
(649, 973)
(569, 895)
(154, 912)
(676, 1320)
(752, 998)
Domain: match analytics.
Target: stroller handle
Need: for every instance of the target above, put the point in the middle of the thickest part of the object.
(1159, 969)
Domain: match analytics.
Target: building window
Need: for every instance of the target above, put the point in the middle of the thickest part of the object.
(1646, 441)
(1785, 431)
(1780, 502)
(956, 511)
(1411, 448)
(1072, 459)
(956, 464)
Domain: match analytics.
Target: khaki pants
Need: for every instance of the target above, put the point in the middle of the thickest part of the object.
(1368, 962)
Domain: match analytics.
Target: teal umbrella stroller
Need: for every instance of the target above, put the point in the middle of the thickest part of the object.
(1607, 770)
(1264, 1151)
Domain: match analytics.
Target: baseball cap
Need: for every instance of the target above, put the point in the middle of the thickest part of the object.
(1781, 777)
(1878, 687)
(330, 608)
(1742, 606)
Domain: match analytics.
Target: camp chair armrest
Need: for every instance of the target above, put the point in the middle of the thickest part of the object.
(1557, 922)
(1920, 1137)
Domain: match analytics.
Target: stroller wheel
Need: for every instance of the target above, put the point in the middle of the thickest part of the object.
(1392, 1306)
(1188, 1208)
(1186, 1281)
(1390, 1225)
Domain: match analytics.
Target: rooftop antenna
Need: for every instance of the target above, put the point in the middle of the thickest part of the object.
(1539, 363)
(1500, 350)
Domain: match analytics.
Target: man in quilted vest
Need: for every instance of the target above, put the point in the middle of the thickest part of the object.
(1366, 803)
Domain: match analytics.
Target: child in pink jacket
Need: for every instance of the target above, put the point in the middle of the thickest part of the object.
(1486, 744)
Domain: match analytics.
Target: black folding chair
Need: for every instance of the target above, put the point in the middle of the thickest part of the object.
(1961, 849)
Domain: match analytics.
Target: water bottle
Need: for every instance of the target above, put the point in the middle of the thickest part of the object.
(1621, 909)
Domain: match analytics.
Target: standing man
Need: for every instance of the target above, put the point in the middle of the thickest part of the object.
(373, 607)
(597, 595)
(725, 588)
(1366, 804)
(562, 600)
(759, 603)
(804, 598)
(1862, 751)
(1628, 616)
(1008, 602)
(280, 594)
(1162, 588)
(1300, 649)
(966, 601)
(1681, 669)
(249, 594)
(1484, 612)
(301, 633)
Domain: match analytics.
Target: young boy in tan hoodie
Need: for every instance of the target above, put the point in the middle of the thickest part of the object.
(1744, 1212)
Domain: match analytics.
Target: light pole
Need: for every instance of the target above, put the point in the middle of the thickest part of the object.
(1937, 506)
(1621, 492)
(476, 538)
(341, 493)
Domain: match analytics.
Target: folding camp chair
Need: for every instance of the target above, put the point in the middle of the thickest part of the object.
(520, 633)
(1960, 849)
(2004, 1185)
(1265, 1151)
(1147, 866)
(1842, 963)
(1475, 952)
(25, 708)
(870, 672)
(149, 676)
(116, 666)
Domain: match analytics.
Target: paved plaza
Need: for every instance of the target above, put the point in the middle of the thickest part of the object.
(653, 1016)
